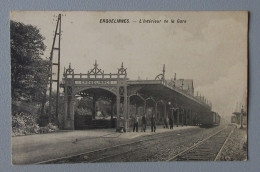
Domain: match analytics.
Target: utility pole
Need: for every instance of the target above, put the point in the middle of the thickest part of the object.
(241, 117)
(57, 36)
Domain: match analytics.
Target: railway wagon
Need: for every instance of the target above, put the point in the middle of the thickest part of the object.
(233, 119)
(218, 118)
(209, 119)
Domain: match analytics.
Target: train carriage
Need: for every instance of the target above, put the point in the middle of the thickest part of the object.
(209, 119)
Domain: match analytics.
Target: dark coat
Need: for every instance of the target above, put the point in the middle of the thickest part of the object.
(171, 121)
(144, 120)
(152, 121)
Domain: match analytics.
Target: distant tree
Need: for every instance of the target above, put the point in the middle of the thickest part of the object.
(29, 70)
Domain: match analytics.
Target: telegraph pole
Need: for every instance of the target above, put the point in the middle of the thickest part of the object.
(241, 117)
(57, 36)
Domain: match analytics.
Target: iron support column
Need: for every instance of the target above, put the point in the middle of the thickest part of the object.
(128, 111)
(165, 115)
(172, 116)
(186, 117)
(94, 106)
(156, 115)
(144, 111)
(65, 108)
(112, 108)
(191, 117)
(69, 119)
(182, 114)
(117, 109)
(241, 120)
(125, 108)
(178, 116)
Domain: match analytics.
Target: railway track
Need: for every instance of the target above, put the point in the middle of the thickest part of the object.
(208, 149)
(122, 150)
(112, 151)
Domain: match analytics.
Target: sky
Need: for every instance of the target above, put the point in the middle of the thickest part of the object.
(210, 47)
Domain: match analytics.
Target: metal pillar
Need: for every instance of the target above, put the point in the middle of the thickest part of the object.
(182, 114)
(94, 111)
(186, 117)
(128, 111)
(112, 109)
(66, 114)
(191, 123)
(156, 115)
(178, 117)
(241, 120)
(144, 110)
(196, 118)
(117, 108)
(192, 118)
(128, 106)
(69, 113)
(172, 115)
(125, 108)
(241, 117)
(165, 115)
(72, 112)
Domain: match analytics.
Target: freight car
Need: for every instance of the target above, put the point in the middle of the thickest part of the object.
(233, 119)
(209, 119)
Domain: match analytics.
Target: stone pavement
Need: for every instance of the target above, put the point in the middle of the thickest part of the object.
(42, 147)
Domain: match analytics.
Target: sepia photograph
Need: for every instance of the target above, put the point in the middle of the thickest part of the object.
(128, 86)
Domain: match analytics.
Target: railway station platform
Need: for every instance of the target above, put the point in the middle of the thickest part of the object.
(32, 149)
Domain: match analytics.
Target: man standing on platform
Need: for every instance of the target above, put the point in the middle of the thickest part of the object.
(135, 123)
(166, 121)
(153, 124)
(171, 122)
(144, 122)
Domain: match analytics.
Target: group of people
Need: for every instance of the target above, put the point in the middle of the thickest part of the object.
(167, 122)
(144, 123)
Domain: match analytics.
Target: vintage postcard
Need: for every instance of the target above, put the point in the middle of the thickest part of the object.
(128, 86)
